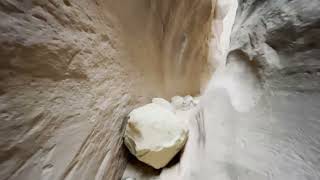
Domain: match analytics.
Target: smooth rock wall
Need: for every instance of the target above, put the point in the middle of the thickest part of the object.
(170, 38)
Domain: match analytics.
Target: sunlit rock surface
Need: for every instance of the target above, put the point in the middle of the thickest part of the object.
(154, 134)
(261, 108)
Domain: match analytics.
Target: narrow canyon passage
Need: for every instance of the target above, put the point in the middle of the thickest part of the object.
(71, 72)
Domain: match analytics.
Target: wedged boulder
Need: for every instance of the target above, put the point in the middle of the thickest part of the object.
(154, 135)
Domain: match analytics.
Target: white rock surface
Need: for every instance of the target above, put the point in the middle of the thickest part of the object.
(184, 103)
(154, 135)
(163, 103)
(177, 102)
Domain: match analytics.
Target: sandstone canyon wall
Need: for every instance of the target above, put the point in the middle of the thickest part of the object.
(261, 108)
(71, 70)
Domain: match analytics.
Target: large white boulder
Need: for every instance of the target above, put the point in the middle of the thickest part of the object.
(154, 134)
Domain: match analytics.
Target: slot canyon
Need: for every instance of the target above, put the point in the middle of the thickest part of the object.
(71, 71)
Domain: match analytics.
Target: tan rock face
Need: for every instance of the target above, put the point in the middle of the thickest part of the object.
(154, 134)
(71, 71)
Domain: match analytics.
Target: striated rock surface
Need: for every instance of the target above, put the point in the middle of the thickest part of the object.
(154, 134)
(71, 71)
(261, 107)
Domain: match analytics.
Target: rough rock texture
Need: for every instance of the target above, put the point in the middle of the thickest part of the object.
(261, 108)
(71, 70)
(154, 134)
